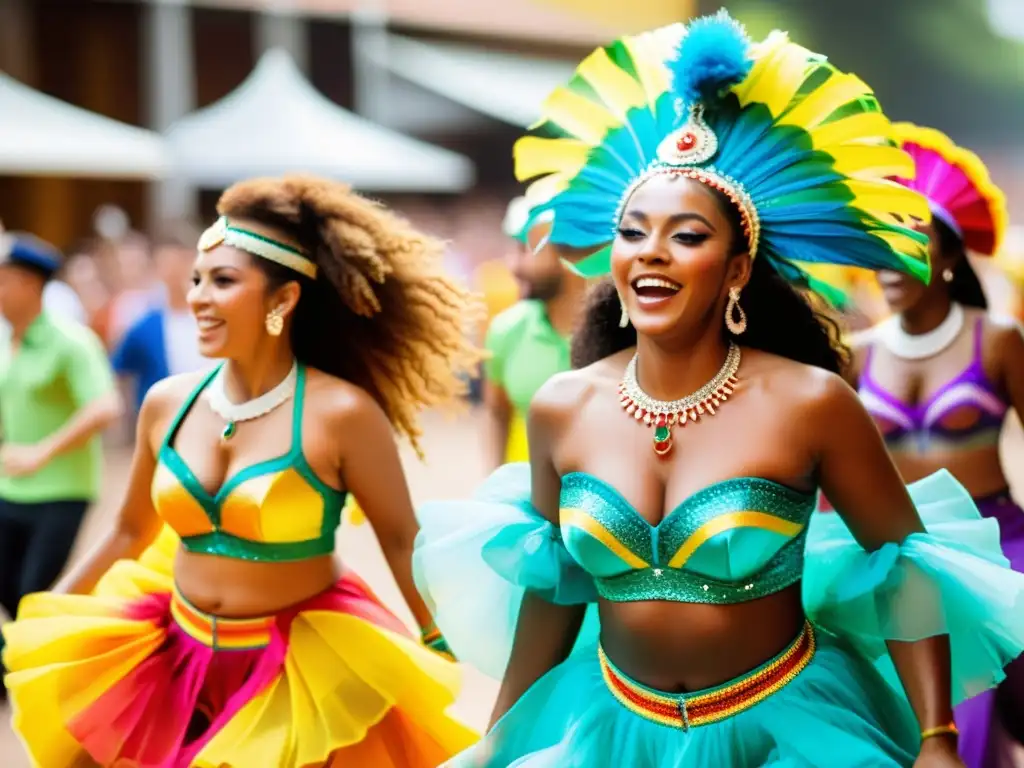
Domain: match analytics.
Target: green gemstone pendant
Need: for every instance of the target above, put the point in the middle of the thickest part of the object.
(228, 432)
(662, 436)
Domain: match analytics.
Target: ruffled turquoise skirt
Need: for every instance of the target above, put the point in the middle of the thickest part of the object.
(476, 559)
(837, 712)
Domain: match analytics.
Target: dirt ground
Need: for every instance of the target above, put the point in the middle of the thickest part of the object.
(452, 470)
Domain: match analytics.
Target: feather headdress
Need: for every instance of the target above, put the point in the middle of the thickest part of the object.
(802, 149)
(957, 185)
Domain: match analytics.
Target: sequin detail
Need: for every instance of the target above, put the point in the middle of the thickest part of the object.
(691, 710)
(784, 570)
(685, 560)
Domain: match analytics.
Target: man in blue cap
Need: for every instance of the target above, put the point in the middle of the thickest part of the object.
(57, 394)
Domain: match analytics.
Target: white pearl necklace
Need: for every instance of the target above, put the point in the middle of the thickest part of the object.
(922, 345)
(250, 409)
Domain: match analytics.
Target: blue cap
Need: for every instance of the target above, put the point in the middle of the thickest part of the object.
(23, 249)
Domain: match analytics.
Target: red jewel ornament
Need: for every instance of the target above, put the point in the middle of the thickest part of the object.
(686, 142)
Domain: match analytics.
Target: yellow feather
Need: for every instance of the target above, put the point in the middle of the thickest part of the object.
(889, 197)
(903, 244)
(838, 91)
(617, 89)
(763, 54)
(535, 155)
(545, 188)
(871, 161)
(787, 67)
(649, 52)
(856, 128)
(579, 116)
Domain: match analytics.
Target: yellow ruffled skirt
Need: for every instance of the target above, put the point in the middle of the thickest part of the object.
(133, 675)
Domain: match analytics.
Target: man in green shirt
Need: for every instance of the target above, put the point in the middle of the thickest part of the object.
(529, 342)
(57, 393)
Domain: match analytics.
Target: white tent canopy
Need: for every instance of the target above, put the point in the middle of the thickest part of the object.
(276, 122)
(41, 135)
(504, 86)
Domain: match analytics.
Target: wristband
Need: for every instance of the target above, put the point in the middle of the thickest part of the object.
(940, 730)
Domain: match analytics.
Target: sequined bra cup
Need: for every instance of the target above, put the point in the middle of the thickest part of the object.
(733, 541)
(272, 511)
(916, 428)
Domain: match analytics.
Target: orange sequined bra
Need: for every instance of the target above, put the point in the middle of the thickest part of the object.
(272, 511)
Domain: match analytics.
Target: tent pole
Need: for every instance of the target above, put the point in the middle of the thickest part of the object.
(171, 82)
(369, 56)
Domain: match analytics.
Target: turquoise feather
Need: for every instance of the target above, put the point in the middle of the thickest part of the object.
(713, 55)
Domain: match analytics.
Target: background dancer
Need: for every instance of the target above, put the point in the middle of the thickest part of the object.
(942, 375)
(528, 342)
(57, 394)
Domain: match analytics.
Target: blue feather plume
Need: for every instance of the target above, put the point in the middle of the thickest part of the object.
(714, 54)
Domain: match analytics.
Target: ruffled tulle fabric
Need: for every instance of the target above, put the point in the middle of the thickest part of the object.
(951, 580)
(112, 677)
(838, 711)
(475, 559)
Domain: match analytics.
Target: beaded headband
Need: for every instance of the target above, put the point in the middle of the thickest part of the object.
(222, 232)
(682, 154)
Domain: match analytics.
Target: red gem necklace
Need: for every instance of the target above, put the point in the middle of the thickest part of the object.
(664, 415)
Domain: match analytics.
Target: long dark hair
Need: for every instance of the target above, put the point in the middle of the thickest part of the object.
(965, 287)
(780, 319)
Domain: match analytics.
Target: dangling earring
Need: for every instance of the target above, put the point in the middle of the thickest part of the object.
(736, 327)
(624, 317)
(947, 275)
(274, 322)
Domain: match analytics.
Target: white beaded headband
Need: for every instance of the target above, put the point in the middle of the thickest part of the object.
(222, 232)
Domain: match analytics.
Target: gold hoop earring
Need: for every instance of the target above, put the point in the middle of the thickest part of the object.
(624, 317)
(736, 326)
(947, 275)
(274, 322)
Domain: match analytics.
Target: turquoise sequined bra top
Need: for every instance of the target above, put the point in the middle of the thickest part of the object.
(733, 541)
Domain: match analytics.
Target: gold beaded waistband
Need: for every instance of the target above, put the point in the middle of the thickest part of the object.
(217, 633)
(689, 710)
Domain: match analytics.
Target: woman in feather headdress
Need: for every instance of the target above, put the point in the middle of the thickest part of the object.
(942, 374)
(673, 473)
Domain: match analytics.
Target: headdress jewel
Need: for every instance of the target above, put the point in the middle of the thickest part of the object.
(224, 232)
(800, 148)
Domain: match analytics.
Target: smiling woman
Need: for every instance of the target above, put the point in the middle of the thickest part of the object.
(732, 625)
(778, 317)
(236, 643)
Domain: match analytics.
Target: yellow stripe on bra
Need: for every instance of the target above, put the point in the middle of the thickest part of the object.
(746, 519)
(580, 519)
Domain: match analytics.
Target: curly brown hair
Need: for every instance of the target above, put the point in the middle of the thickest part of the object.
(381, 313)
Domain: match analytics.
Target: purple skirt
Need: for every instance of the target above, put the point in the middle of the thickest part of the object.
(984, 743)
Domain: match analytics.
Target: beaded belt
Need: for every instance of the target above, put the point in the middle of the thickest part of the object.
(217, 633)
(689, 710)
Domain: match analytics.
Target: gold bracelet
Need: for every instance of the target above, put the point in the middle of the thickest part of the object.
(940, 730)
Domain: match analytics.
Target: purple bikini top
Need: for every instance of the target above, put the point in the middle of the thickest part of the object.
(915, 426)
